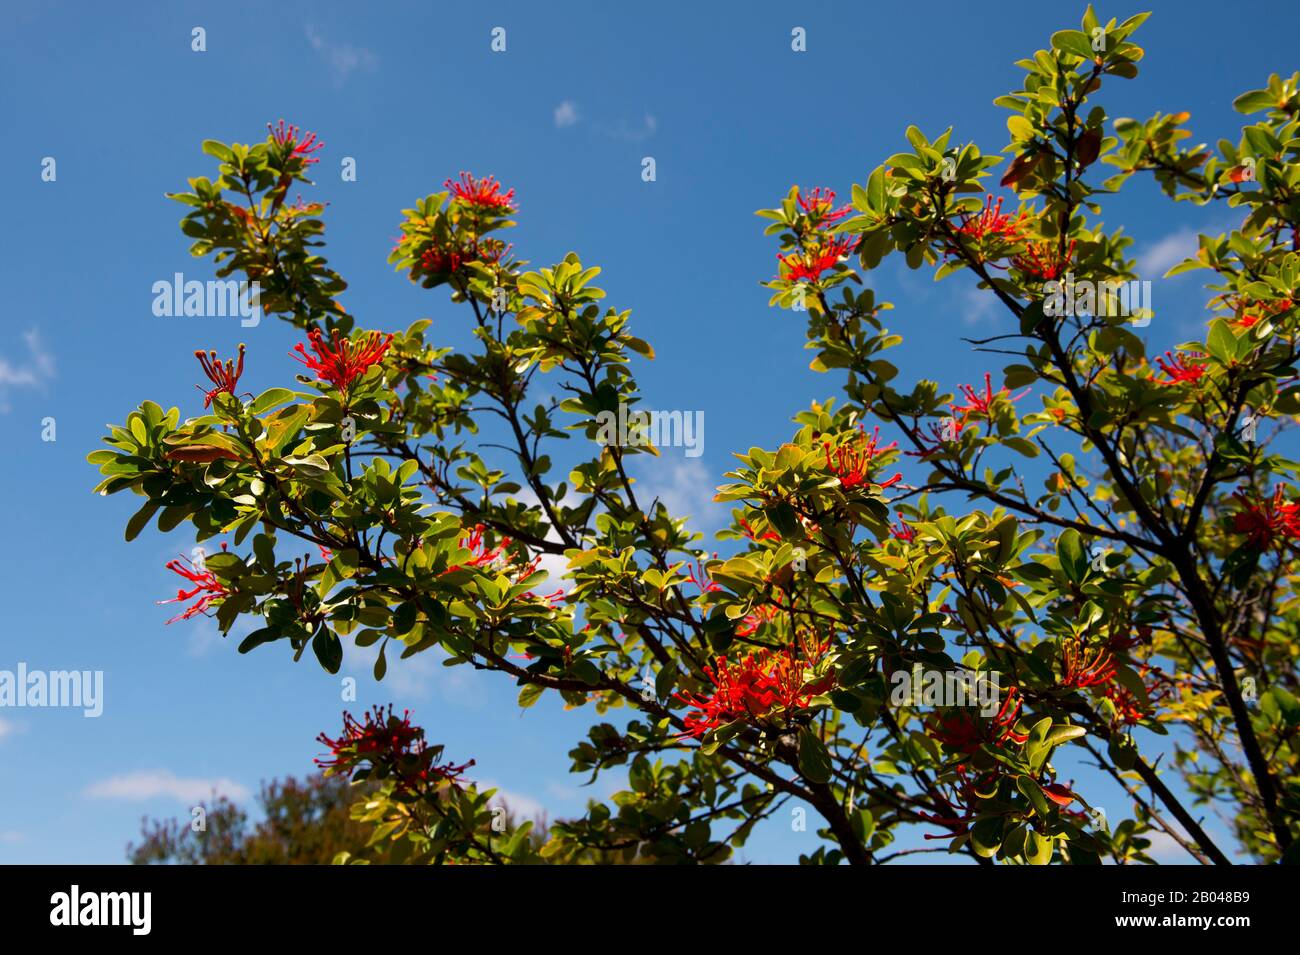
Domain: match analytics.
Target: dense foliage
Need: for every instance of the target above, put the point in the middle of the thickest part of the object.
(1114, 556)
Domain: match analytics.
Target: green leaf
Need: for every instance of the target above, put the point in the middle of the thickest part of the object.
(1254, 101)
(1069, 550)
(986, 836)
(1222, 343)
(328, 649)
(1034, 793)
(270, 398)
(219, 149)
(530, 694)
(1063, 732)
(258, 637)
(1038, 849)
(783, 517)
(814, 760)
(140, 519)
(1072, 41)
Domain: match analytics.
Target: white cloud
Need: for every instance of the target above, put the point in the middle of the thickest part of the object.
(686, 487)
(7, 728)
(203, 636)
(32, 373)
(343, 59)
(1159, 258)
(162, 783)
(522, 807)
(11, 836)
(977, 304)
(649, 126)
(566, 114)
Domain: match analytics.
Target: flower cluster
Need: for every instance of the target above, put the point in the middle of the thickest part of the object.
(1268, 521)
(481, 555)
(755, 619)
(287, 137)
(205, 587)
(497, 559)
(393, 747)
(1250, 312)
(340, 361)
(903, 531)
(819, 205)
(818, 251)
(964, 732)
(700, 578)
(760, 686)
(942, 433)
(482, 195)
(224, 376)
(809, 264)
(749, 532)
(853, 462)
(981, 405)
(1044, 260)
(448, 258)
(1080, 669)
(1180, 368)
(992, 223)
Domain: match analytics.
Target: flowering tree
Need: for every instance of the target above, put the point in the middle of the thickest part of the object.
(1110, 572)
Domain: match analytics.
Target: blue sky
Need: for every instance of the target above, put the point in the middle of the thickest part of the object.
(414, 93)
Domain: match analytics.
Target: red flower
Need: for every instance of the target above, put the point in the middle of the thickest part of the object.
(555, 598)
(497, 559)
(982, 405)
(1127, 709)
(700, 577)
(483, 194)
(1081, 670)
(1044, 260)
(992, 222)
(449, 259)
(225, 377)
(1258, 310)
(760, 685)
(392, 746)
(1180, 368)
(341, 362)
(903, 531)
(1123, 642)
(206, 587)
(964, 732)
(820, 204)
(941, 433)
(439, 260)
(756, 618)
(481, 555)
(853, 462)
(766, 535)
(811, 263)
(288, 137)
(1266, 522)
